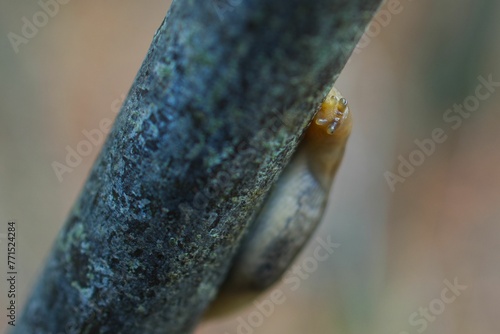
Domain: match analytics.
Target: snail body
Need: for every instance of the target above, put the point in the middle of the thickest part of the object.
(292, 210)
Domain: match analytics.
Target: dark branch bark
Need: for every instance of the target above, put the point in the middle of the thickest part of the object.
(214, 114)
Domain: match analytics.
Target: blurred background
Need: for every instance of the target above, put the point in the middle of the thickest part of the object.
(419, 246)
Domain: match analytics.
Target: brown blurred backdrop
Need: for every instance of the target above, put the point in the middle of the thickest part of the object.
(396, 248)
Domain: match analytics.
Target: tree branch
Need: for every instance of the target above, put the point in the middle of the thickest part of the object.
(213, 116)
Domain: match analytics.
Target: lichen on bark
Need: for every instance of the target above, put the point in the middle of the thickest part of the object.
(213, 116)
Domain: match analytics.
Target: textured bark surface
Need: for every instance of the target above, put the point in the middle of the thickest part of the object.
(213, 116)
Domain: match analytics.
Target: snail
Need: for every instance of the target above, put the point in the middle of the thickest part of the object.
(292, 210)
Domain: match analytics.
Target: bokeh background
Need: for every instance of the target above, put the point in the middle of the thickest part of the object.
(396, 247)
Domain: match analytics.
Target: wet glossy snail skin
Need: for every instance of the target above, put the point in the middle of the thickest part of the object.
(293, 208)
